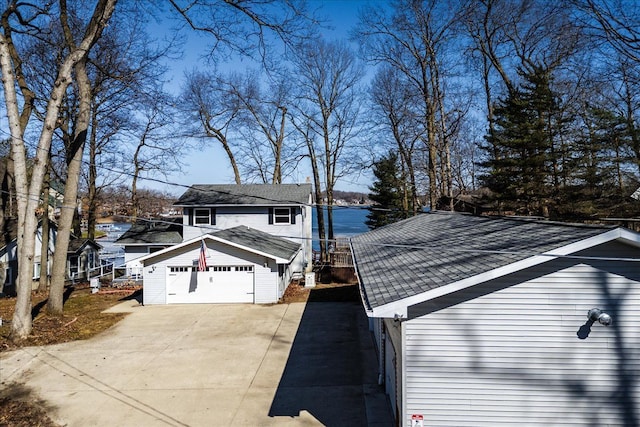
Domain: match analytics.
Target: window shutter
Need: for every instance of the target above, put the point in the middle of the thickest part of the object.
(189, 213)
(270, 215)
(293, 215)
(212, 216)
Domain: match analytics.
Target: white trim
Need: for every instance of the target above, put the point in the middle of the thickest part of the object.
(399, 308)
(278, 260)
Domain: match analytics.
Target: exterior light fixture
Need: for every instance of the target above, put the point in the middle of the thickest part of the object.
(597, 315)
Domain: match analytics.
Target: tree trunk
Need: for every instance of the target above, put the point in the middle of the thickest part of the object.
(28, 191)
(69, 205)
(93, 176)
(44, 249)
(319, 203)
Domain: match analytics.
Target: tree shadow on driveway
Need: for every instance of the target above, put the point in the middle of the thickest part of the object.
(331, 370)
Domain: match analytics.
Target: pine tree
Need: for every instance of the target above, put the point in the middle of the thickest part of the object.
(386, 193)
(523, 171)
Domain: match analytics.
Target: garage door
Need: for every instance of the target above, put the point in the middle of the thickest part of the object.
(219, 284)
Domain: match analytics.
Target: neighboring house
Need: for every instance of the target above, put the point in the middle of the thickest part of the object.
(244, 265)
(282, 210)
(82, 258)
(82, 255)
(146, 237)
(484, 321)
(261, 233)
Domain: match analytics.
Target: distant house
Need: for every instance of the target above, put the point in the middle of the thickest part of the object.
(82, 258)
(261, 233)
(146, 237)
(500, 321)
(82, 255)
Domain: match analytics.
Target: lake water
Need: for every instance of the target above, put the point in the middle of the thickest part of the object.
(347, 221)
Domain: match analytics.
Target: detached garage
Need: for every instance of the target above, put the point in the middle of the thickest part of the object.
(241, 265)
(487, 322)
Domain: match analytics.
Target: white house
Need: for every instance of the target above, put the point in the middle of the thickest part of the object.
(491, 322)
(243, 265)
(82, 256)
(146, 237)
(235, 221)
(282, 210)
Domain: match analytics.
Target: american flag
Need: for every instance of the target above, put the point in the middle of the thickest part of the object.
(202, 260)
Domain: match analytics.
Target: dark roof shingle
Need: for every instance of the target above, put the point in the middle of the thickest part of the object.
(438, 248)
(259, 241)
(245, 194)
(153, 232)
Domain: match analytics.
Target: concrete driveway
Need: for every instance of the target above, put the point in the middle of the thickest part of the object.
(212, 365)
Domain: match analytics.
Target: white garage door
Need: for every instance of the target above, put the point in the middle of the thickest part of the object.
(219, 284)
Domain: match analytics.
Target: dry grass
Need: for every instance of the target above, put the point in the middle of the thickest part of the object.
(82, 318)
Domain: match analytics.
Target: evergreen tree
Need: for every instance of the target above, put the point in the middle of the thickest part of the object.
(524, 167)
(386, 193)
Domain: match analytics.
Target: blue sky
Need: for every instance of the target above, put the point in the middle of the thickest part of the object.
(209, 164)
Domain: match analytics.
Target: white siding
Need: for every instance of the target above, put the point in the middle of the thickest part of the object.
(256, 217)
(266, 278)
(133, 252)
(266, 283)
(510, 355)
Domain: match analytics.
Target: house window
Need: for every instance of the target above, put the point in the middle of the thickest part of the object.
(282, 216)
(202, 217)
(179, 269)
(222, 268)
(248, 268)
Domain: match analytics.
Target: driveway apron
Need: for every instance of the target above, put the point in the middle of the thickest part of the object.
(212, 365)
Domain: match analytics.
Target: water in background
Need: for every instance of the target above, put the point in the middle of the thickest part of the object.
(111, 253)
(347, 221)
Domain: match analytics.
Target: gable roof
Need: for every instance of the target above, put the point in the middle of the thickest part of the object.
(259, 241)
(149, 232)
(437, 253)
(255, 241)
(77, 245)
(245, 194)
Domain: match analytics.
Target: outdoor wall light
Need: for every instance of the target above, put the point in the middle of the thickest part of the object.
(597, 315)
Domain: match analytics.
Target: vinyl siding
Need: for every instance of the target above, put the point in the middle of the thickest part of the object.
(133, 252)
(256, 217)
(266, 286)
(507, 353)
(266, 283)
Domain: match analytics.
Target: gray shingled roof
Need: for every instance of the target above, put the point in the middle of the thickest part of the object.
(152, 232)
(259, 241)
(245, 194)
(455, 247)
(77, 244)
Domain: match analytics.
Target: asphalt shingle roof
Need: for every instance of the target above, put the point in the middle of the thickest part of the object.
(245, 194)
(150, 232)
(434, 249)
(259, 241)
(76, 244)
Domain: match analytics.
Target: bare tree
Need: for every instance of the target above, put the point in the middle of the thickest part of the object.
(327, 109)
(207, 103)
(28, 191)
(245, 27)
(411, 38)
(395, 113)
(156, 151)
